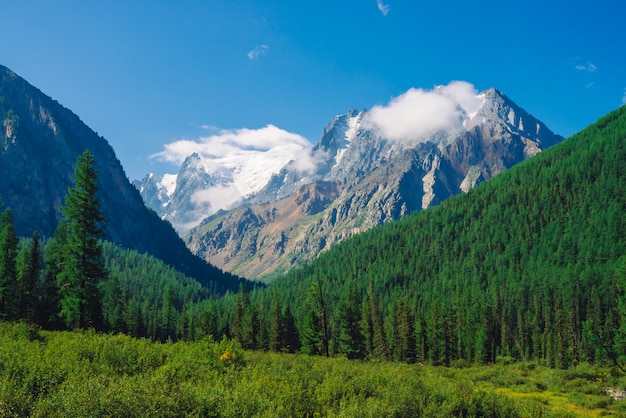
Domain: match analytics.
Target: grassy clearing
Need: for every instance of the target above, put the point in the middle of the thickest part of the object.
(87, 374)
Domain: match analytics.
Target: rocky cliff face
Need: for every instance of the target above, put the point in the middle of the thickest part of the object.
(362, 180)
(40, 141)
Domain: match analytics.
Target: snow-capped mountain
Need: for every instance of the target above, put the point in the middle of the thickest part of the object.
(370, 167)
(208, 183)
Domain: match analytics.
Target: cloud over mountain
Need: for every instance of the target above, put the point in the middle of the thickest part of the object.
(418, 112)
(228, 143)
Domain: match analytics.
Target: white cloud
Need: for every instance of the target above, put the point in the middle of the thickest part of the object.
(231, 142)
(588, 67)
(258, 52)
(308, 161)
(624, 97)
(384, 8)
(419, 113)
(216, 198)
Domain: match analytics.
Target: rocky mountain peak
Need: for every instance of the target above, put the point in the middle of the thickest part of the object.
(376, 179)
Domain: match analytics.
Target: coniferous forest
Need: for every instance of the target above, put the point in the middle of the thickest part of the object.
(528, 268)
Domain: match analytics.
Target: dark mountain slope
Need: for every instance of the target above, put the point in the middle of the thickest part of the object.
(40, 141)
(525, 265)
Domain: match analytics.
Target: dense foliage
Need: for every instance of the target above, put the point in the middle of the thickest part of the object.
(79, 374)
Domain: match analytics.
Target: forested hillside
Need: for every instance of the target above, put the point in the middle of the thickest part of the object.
(77, 281)
(529, 265)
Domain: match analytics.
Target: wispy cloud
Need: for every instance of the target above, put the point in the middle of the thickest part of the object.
(624, 97)
(588, 67)
(419, 113)
(258, 52)
(384, 8)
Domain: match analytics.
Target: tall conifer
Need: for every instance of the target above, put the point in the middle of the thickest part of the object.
(9, 300)
(83, 267)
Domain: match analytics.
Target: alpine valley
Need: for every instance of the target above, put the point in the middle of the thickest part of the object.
(360, 174)
(505, 300)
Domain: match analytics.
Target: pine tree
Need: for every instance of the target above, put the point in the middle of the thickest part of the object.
(9, 298)
(380, 349)
(314, 331)
(244, 325)
(405, 339)
(275, 326)
(34, 278)
(54, 257)
(620, 337)
(291, 339)
(28, 274)
(83, 267)
(168, 322)
(351, 340)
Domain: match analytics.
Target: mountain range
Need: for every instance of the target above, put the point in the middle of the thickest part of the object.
(363, 174)
(40, 141)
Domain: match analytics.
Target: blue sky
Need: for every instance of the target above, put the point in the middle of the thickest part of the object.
(145, 74)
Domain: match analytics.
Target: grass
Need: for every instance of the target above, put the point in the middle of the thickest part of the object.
(56, 374)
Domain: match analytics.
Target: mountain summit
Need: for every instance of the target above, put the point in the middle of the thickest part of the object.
(371, 167)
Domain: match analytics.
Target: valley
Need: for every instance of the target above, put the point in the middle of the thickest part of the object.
(482, 272)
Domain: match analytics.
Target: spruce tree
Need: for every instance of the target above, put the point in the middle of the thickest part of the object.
(314, 329)
(83, 268)
(28, 274)
(380, 349)
(245, 319)
(291, 339)
(9, 298)
(49, 307)
(33, 280)
(276, 342)
(351, 339)
(404, 333)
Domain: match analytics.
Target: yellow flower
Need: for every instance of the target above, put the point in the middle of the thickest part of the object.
(227, 356)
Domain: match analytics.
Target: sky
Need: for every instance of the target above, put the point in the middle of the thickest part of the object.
(151, 75)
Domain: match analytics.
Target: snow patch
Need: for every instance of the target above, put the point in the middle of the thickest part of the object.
(168, 182)
(511, 117)
(353, 126)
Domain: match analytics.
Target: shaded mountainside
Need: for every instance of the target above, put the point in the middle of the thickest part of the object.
(531, 264)
(368, 180)
(40, 141)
